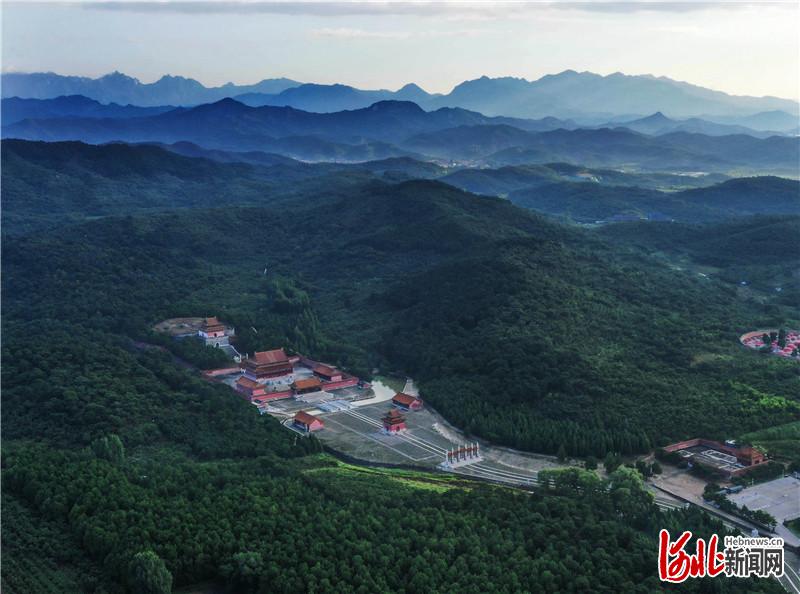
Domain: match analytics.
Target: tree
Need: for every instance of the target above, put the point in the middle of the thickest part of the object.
(782, 337)
(562, 453)
(656, 468)
(764, 518)
(109, 448)
(628, 492)
(611, 462)
(244, 571)
(591, 463)
(149, 575)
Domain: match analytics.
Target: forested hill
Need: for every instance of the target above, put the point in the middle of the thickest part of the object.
(754, 253)
(589, 202)
(55, 184)
(520, 330)
(48, 185)
(124, 472)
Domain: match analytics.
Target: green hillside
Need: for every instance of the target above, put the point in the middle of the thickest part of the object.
(520, 330)
(128, 467)
(503, 180)
(755, 253)
(589, 202)
(47, 185)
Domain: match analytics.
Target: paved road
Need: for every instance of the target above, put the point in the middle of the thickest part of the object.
(410, 387)
(382, 394)
(791, 577)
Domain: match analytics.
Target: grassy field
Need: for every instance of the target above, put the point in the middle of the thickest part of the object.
(781, 442)
(395, 383)
(431, 481)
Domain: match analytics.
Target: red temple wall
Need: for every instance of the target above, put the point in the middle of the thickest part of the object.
(346, 382)
(394, 428)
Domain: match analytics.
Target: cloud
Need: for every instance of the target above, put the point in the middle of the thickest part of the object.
(659, 6)
(345, 33)
(348, 33)
(292, 7)
(451, 9)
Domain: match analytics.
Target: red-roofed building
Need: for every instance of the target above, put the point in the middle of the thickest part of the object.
(305, 386)
(216, 334)
(266, 365)
(406, 401)
(696, 450)
(307, 422)
(270, 396)
(249, 387)
(394, 421)
(328, 373)
(211, 328)
(749, 456)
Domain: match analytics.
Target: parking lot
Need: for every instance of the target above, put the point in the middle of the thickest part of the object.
(780, 498)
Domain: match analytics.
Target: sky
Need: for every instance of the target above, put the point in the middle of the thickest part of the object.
(743, 48)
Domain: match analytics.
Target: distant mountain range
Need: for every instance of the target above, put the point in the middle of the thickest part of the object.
(498, 145)
(587, 95)
(330, 98)
(658, 124)
(49, 185)
(125, 90)
(766, 120)
(230, 125)
(584, 96)
(15, 109)
(388, 121)
(399, 128)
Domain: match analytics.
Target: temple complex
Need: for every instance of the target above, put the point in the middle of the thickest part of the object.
(264, 366)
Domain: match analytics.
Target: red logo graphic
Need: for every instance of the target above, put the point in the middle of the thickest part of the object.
(675, 564)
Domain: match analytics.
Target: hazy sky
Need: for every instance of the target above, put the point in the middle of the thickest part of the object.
(738, 47)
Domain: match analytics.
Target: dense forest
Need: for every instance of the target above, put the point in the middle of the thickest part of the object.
(755, 253)
(125, 472)
(522, 331)
(48, 185)
(589, 202)
(158, 479)
(134, 474)
(155, 519)
(503, 180)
